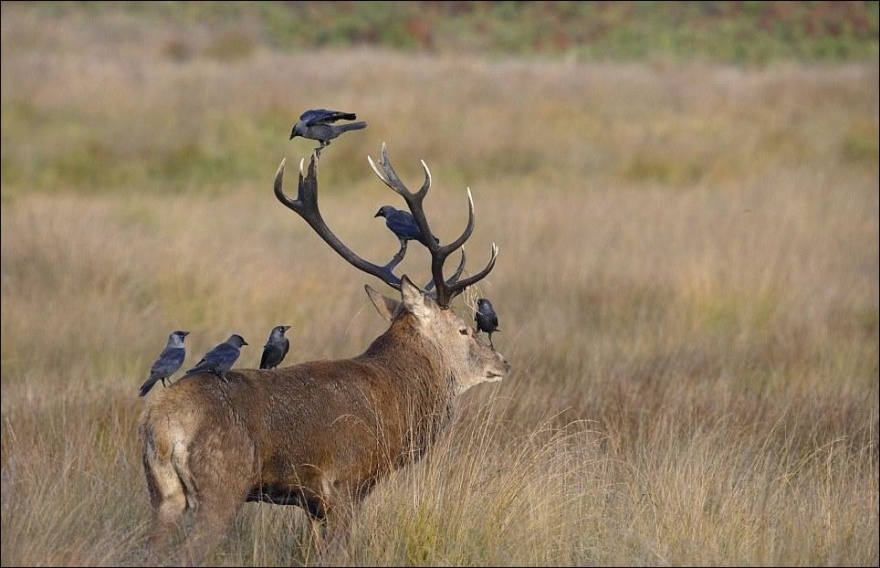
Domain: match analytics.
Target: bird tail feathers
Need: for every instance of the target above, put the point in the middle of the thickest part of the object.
(145, 388)
(352, 126)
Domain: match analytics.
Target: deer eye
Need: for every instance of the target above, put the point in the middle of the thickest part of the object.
(464, 330)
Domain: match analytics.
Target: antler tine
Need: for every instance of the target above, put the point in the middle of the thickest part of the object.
(469, 228)
(452, 279)
(306, 206)
(457, 287)
(453, 285)
(279, 184)
(414, 200)
(446, 289)
(389, 176)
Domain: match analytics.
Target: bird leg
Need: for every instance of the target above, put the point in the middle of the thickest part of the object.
(324, 144)
(477, 332)
(220, 374)
(397, 258)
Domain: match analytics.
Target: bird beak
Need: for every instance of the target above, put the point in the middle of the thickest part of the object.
(378, 214)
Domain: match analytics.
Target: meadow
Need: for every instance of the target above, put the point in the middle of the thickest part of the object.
(687, 288)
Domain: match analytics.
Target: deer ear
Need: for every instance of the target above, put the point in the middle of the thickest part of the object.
(386, 307)
(414, 300)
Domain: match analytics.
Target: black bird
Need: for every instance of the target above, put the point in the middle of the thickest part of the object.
(486, 318)
(168, 362)
(275, 348)
(317, 124)
(401, 223)
(221, 358)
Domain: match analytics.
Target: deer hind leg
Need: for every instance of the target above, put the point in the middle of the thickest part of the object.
(216, 487)
(167, 496)
(213, 517)
(168, 513)
(333, 525)
(334, 546)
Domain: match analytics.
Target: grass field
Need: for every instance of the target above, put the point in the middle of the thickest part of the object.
(687, 287)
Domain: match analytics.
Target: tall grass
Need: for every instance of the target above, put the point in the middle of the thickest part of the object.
(687, 288)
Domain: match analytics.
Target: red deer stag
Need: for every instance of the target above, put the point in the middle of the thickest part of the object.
(320, 434)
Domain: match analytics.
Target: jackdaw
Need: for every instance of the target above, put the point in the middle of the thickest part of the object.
(221, 358)
(402, 224)
(275, 348)
(317, 124)
(486, 318)
(168, 362)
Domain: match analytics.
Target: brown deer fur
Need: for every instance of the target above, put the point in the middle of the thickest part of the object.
(318, 434)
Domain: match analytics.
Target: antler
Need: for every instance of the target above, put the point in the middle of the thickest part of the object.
(446, 289)
(306, 206)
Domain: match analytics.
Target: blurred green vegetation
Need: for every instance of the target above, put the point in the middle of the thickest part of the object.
(738, 32)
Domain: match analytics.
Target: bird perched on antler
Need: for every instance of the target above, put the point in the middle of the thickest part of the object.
(318, 124)
(402, 224)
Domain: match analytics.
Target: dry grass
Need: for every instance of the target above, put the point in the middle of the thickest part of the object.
(687, 288)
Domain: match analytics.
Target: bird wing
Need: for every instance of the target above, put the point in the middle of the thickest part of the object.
(168, 362)
(402, 224)
(269, 350)
(324, 116)
(203, 364)
(223, 353)
(486, 318)
(490, 315)
(218, 355)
